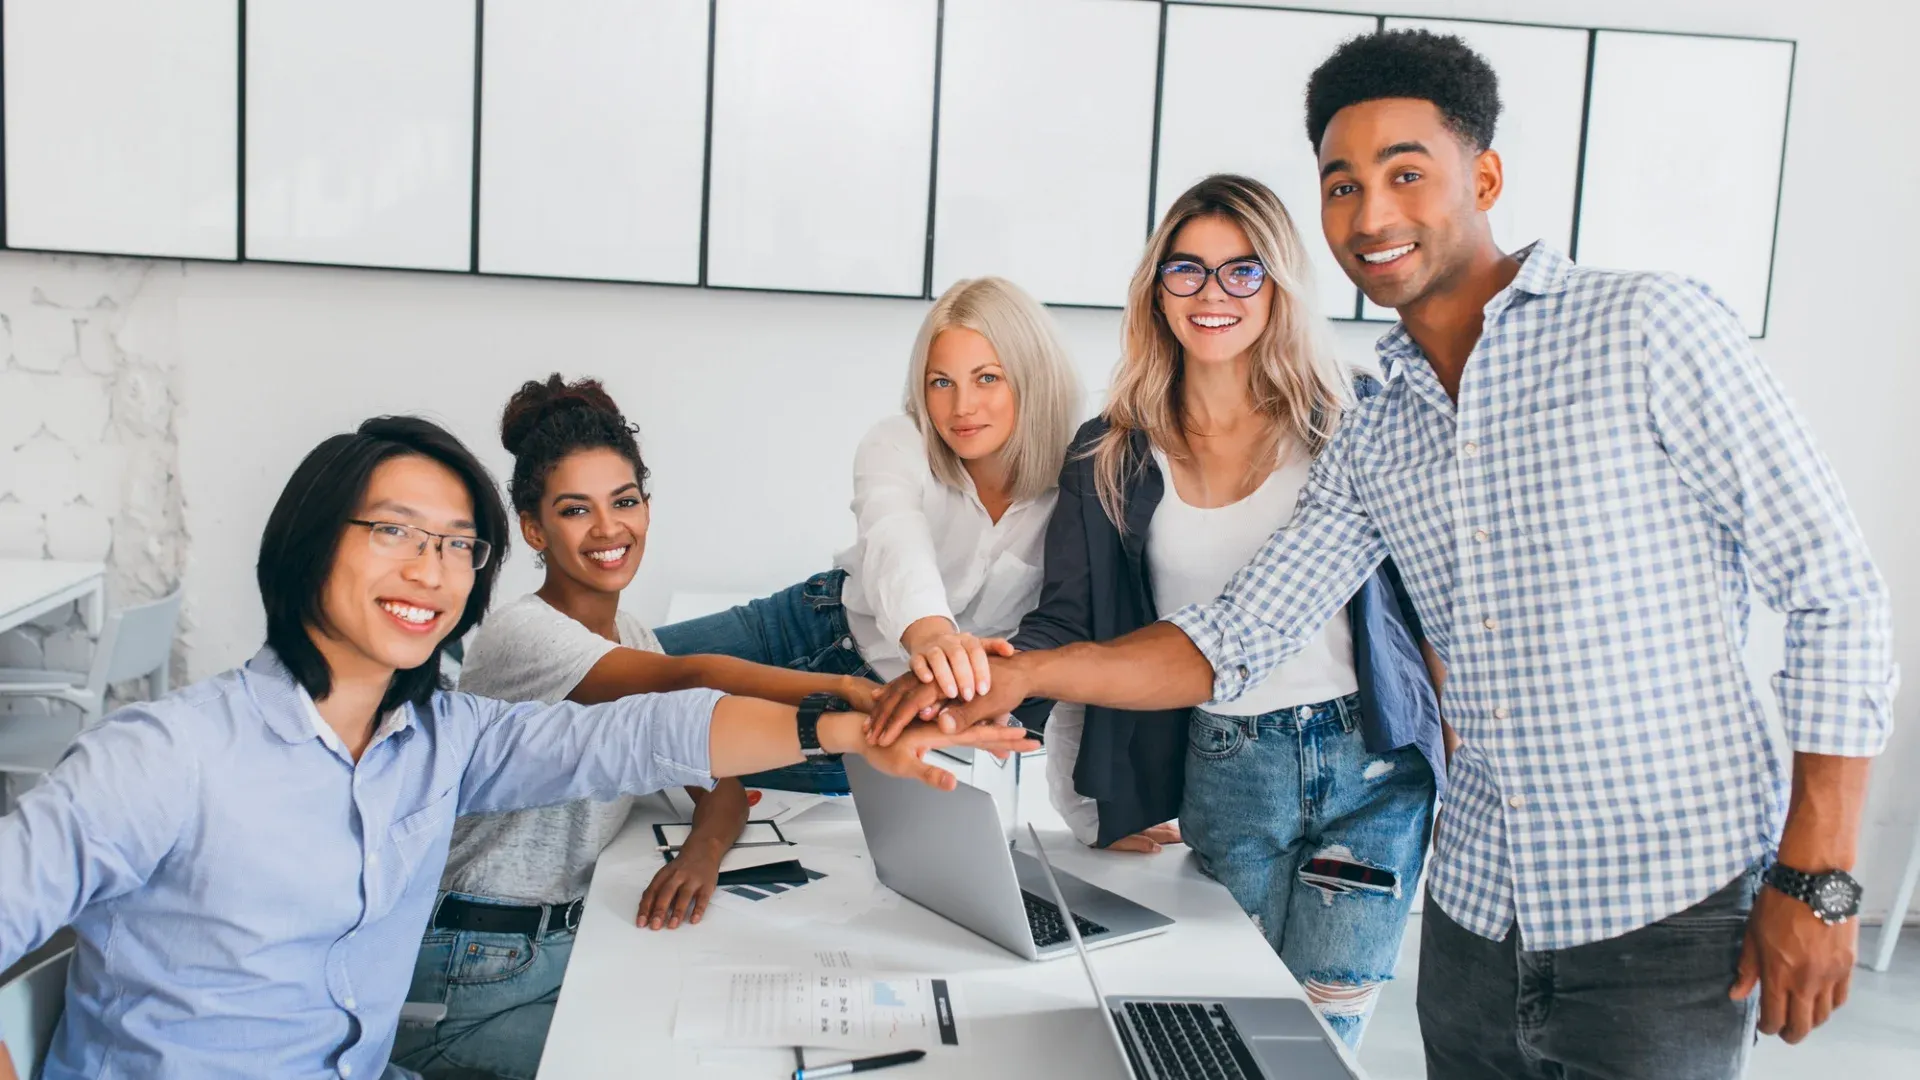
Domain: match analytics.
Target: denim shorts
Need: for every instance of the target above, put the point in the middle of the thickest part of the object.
(803, 627)
(1317, 839)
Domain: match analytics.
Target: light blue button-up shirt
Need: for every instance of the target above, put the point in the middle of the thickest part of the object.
(249, 901)
(1579, 533)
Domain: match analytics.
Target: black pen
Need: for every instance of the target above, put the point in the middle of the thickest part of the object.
(860, 1065)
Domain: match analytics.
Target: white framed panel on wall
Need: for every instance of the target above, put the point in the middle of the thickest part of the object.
(1543, 89)
(360, 118)
(1046, 144)
(1230, 90)
(822, 145)
(597, 174)
(1686, 140)
(122, 121)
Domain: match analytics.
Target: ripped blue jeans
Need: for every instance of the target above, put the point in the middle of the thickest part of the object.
(1319, 840)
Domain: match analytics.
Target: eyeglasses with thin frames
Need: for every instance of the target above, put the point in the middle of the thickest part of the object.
(393, 540)
(1239, 278)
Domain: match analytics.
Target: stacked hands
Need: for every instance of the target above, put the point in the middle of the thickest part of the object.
(951, 686)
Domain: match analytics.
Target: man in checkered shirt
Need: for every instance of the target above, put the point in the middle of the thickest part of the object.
(1578, 473)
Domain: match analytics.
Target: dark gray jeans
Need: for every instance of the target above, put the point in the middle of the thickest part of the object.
(1648, 1005)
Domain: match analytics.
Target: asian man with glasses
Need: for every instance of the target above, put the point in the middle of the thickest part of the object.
(249, 863)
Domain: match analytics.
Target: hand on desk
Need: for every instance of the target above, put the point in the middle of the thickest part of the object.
(1150, 841)
(681, 890)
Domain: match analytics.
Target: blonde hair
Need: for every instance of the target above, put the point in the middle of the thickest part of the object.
(1046, 391)
(1297, 384)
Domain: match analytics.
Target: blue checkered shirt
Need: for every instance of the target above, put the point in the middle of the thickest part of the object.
(1577, 534)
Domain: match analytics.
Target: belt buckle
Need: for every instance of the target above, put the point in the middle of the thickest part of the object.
(570, 917)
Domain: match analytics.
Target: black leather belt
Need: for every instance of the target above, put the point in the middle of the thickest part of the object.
(532, 920)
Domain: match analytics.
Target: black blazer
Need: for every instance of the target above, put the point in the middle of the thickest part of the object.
(1097, 587)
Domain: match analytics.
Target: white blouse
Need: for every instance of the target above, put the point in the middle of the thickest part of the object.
(927, 549)
(1193, 552)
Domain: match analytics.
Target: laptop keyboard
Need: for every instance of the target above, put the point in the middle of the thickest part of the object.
(1186, 1039)
(1044, 919)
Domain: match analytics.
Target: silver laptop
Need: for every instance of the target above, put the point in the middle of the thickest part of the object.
(1207, 1038)
(947, 852)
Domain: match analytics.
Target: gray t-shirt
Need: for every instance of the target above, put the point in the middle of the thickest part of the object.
(528, 651)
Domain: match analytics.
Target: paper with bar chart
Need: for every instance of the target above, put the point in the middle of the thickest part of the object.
(818, 1007)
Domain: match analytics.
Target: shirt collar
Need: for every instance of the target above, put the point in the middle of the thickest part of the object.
(290, 711)
(1543, 272)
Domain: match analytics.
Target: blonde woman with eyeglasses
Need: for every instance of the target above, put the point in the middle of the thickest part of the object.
(1310, 796)
(951, 498)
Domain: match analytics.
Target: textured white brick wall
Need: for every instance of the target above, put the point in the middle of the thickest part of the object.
(89, 465)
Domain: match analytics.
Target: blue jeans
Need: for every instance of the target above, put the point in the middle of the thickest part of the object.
(1649, 1003)
(805, 628)
(1317, 839)
(499, 990)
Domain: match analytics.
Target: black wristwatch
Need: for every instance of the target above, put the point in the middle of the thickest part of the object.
(1833, 895)
(811, 708)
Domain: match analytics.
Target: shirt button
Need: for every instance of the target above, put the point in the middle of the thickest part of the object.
(1490, 623)
(1499, 712)
(1470, 448)
(1516, 802)
(373, 860)
(1480, 536)
(346, 1069)
(349, 1003)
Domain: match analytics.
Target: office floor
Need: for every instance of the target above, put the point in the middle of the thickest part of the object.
(1877, 1034)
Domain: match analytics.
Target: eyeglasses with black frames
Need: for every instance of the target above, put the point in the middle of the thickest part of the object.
(1239, 278)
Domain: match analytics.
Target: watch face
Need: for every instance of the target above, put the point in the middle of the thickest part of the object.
(1836, 895)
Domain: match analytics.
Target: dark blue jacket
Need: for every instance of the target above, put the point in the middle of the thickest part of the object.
(1097, 587)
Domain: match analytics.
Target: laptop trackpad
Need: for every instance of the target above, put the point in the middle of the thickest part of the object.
(1299, 1059)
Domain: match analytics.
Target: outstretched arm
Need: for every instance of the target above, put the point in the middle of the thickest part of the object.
(1214, 652)
(626, 671)
(531, 755)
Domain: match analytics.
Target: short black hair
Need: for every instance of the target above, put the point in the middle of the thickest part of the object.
(545, 421)
(1421, 64)
(307, 525)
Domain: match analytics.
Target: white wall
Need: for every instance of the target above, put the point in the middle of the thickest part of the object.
(749, 408)
(750, 404)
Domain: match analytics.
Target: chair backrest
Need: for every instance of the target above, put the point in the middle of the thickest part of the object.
(30, 1008)
(136, 642)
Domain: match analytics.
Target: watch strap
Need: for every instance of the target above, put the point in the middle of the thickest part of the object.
(812, 707)
(1808, 889)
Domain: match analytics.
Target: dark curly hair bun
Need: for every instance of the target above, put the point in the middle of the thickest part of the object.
(1421, 64)
(546, 421)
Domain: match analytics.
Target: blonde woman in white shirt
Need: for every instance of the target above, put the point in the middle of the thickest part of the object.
(951, 500)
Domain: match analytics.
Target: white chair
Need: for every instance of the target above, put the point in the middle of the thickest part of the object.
(136, 643)
(30, 1008)
(1902, 902)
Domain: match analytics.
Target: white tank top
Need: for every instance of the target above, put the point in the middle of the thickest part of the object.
(1192, 553)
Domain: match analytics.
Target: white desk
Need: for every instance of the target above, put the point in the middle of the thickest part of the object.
(1018, 1019)
(29, 588)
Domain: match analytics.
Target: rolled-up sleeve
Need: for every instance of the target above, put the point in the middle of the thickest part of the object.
(532, 755)
(1738, 443)
(1303, 574)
